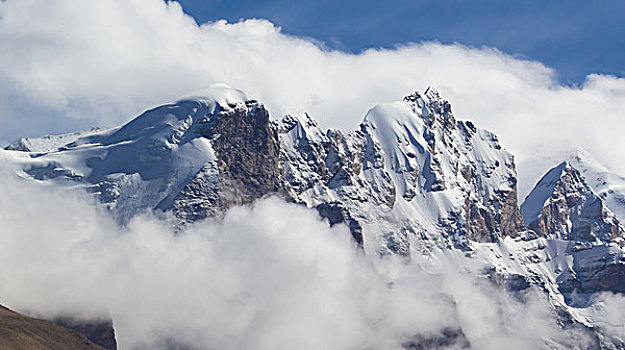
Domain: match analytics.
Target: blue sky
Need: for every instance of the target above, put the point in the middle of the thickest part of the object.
(574, 37)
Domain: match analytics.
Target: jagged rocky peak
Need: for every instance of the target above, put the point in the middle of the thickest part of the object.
(449, 171)
(433, 108)
(316, 161)
(321, 170)
(411, 171)
(563, 206)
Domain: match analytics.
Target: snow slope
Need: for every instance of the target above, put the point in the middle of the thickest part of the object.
(142, 164)
(49, 143)
(604, 182)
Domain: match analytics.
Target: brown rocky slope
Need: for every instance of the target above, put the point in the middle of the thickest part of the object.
(19, 332)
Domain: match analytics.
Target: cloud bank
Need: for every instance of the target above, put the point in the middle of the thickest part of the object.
(68, 65)
(251, 281)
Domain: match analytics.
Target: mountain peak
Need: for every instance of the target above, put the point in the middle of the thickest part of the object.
(544, 189)
(451, 171)
(562, 205)
(430, 94)
(411, 180)
(432, 108)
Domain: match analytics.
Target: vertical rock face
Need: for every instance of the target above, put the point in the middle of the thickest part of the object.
(247, 153)
(563, 206)
(246, 165)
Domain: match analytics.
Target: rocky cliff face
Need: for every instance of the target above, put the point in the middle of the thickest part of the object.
(100, 332)
(246, 165)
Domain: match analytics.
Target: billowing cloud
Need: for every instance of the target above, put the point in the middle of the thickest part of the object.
(250, 281)
(68, 65)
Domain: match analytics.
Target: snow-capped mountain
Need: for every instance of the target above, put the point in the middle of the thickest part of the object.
(411, 180)
(411, 174)
(563, 206)
(602, 180)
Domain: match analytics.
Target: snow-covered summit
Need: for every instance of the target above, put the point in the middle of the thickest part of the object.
(218, 95)
(145, 163)
(604, 181)
(209, 98)
(411, 171)
(450, 167)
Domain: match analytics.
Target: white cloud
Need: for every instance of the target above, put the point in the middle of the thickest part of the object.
(251, 281)
(68, 64)
(607, 312)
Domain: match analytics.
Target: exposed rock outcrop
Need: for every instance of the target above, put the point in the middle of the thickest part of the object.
(247, 164)
(337, 214)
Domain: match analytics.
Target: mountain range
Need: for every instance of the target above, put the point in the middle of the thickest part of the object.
(411, 180)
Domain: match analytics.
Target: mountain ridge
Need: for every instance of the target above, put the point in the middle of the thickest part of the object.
(412, 181)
